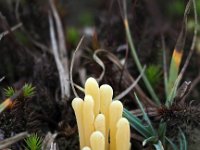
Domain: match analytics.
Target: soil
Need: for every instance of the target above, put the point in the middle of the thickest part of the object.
(26, 57)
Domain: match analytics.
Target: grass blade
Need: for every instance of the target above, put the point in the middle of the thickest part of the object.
(136, 58)
(182, 140)
(178, 53)
(145, 116)
(172, 93)
(162, 132)
(136, 123)
(174, 147)
(151, 139)
(159, 146)
(164, 65)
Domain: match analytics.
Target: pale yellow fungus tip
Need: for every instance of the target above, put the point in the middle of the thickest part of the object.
(77, 105)
(76, 102)
(86, 148)
(100, 124)
(97, 141)
(115, 113)
(92, 88)
(123, 135)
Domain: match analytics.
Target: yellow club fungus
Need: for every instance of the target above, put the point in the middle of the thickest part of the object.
(100, 123)
(100, 119)
(77, 105)
(97, 141)
(92, 88)
(106, 94)
(123, 135)
(88, 118)
(115, 113)
(86, 148)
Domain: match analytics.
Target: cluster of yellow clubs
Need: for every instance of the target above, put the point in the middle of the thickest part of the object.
(99, 119)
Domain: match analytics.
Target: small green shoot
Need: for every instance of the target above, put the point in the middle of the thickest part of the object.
(29, 90)
(9, 92)
(72, 35)
(33, 142)
(153, 73)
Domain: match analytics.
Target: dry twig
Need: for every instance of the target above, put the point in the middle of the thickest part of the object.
(59, 51)
(48, 142)
(9, 141)
(71, 67)
(125, 92)
(127, 78)
(11, 29)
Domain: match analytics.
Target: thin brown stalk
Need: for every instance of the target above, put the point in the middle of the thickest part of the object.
(127, 78)
(71, 67)
(193, 41)
(151, 111)
(125, 92)
(192, 86)
(100, 63)
(11, 29)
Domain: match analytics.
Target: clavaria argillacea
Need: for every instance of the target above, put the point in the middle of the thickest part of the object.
(99, 118)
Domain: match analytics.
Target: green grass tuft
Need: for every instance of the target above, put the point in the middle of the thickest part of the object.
(9, 92)
(153, 73)
(29, 90)
(33, 142)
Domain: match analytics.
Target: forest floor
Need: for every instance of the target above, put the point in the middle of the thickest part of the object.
(27, 56)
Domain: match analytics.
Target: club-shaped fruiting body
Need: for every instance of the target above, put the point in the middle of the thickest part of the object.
(88, 118)
(97, 141)
(115, 113)
(86, 148)
(77, 105)
(100, 124)
(99, 119)
(106, 94)
(92, 88)
(123, 132)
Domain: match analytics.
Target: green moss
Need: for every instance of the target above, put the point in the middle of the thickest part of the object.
(33, 142)
(176, 7)
(153, 73)
(72, 35)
